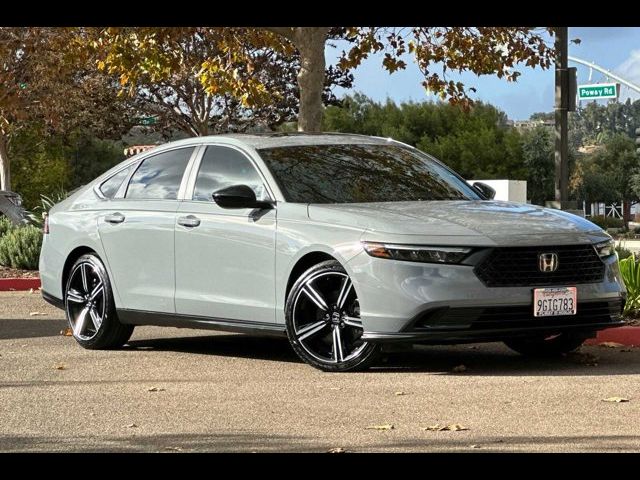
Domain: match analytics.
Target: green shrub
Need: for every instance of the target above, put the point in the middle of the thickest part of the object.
(20, 248)
(630, 270)
(623, 252)
(5, 225)
(606, 222)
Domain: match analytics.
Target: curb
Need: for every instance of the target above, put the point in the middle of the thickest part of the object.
(628, 336)
(18, 284)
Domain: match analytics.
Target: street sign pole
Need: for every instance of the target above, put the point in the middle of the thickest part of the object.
(561, 117)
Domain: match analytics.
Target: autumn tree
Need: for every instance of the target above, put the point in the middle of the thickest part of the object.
(41, 83)
(174, 94)
(438, 51)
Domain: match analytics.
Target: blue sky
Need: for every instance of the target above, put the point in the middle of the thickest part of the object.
(614, 48)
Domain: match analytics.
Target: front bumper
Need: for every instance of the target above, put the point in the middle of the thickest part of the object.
(417, 302)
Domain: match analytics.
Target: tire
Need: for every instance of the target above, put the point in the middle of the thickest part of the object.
(323, 333)
(88, 292)
(546, 347)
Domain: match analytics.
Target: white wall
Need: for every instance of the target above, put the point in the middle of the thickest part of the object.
(508, 190)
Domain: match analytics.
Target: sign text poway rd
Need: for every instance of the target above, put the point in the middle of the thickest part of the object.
(598, 90)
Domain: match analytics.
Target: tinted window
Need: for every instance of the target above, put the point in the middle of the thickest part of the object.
(111, 186)
(222, 167)
(159, 176)
(361, 173)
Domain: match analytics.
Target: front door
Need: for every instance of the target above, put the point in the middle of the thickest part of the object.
(225, 257)
(137, 233)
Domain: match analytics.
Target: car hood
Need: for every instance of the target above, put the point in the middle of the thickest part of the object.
(494, 220)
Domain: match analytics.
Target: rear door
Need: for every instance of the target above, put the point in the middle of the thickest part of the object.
(137, 231)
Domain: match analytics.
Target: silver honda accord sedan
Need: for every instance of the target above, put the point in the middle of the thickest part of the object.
(342, 243)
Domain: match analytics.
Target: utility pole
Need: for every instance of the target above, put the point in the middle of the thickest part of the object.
(561, 113)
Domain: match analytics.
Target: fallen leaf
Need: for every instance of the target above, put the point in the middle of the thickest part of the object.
(454, 427)
(399, 393)
(33, 314)
(380, 427)
(155, 389)
(175, 449)
(615, 399)
(475, 446)
(132, 425)
(337, 450)
(60, 366)
(459, 369)
(67, 332)
(31, 290)
(611, 345)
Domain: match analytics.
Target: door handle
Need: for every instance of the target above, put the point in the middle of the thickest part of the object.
(114, 218)
(189, 221)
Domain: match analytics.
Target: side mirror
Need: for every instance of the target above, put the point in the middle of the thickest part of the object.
(485, 190)
(239, 196)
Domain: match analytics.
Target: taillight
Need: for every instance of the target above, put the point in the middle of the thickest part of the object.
(45, 227)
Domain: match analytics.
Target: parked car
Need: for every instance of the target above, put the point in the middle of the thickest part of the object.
(341, 242)
(11, 207)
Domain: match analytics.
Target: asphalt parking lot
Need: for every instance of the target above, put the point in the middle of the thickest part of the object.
(174, 390)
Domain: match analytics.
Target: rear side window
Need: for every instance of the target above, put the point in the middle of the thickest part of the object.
(223, 167)
(159, 177)
(111, 186)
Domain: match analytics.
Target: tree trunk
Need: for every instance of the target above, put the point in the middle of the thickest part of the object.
(310, 42)
(5, 173)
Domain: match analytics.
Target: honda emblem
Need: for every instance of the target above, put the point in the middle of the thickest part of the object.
(548, 262)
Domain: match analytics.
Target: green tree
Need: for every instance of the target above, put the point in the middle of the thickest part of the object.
(538, 155)
(477, 143)
(610, 173)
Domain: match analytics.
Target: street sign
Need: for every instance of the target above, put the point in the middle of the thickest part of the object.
(147, 121)
(598, 91)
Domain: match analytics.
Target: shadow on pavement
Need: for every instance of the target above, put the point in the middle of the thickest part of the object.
(214, 442)
(258, 442)
(262, 348)
(29, 328)
(494, 359)
(481, 359)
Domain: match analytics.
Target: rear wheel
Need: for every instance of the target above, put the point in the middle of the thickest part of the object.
(551, 346)
(90, 308)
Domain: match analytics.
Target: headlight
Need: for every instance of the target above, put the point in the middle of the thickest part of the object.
(416, 253)
(606, 248)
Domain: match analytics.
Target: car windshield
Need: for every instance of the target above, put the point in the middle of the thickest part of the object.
(361, 173)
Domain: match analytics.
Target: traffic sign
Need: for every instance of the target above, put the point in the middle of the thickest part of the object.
(598, 91)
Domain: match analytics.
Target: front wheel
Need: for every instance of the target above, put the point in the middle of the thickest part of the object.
(90, 308)
(323, 320)
(553, 346)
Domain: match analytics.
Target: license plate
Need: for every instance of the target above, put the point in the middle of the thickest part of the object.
(553, 302)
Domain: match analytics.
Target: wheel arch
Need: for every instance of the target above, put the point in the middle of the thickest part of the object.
(71, 258)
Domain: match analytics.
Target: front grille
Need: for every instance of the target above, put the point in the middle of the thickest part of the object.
(518, 266)
(514, 317)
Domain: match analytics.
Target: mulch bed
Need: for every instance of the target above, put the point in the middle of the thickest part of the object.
(6, 272)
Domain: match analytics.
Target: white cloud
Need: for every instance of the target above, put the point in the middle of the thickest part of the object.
(630, 71)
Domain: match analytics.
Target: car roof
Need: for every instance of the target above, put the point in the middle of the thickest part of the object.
(282, 139)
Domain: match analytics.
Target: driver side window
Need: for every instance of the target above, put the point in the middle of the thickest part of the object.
(223, 167)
